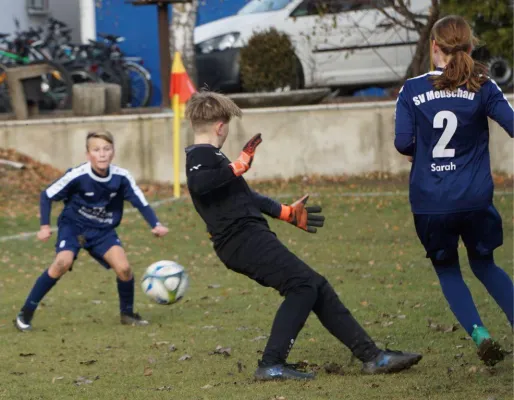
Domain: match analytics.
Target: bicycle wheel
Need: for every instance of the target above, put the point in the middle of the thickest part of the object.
(111, 74)
(140, 82)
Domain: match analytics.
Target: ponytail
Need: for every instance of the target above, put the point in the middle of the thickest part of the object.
(453, 35)
(461, 70)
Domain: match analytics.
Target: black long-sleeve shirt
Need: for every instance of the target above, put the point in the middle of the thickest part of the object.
(224, 201)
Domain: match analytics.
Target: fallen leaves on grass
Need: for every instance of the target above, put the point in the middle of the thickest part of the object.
(172, 348)
(164, 388)
(225, 351)
(57, 378)
(185, 357)
(83, 380)
(333, 368)
(213, 286)
(240, 366)
(89, 362)
(147, 371)
(442, 328)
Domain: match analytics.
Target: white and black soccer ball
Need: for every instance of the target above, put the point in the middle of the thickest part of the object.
(165, 282)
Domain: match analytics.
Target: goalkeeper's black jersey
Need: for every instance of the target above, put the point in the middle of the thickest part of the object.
(224, 201)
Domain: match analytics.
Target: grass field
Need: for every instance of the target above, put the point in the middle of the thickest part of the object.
(368, 250)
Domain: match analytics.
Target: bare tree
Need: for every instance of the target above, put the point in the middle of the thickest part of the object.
(399, 12)
(182, 35)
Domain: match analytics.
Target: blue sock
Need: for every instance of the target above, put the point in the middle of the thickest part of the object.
(458, 295)
(42, 286)
(496, 281)
(126, 293)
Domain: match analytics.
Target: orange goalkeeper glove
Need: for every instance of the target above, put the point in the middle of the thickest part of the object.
(301, 216)
(245, 159)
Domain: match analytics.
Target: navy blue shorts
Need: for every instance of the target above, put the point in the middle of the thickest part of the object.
(481, 232)
(96, 241)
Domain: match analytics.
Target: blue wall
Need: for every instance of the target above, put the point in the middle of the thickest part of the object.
(138, 24)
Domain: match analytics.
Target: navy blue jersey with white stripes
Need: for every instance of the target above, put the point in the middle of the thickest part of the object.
(447, 133)
(92, 201)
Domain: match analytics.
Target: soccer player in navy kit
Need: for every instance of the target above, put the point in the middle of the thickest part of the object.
(442, 125)
(245, 244)
(93, 195)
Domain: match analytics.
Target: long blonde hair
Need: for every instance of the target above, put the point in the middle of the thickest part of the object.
(455, 38)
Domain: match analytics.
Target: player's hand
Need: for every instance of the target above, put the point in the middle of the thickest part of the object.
(245, 159)
(44, 233)
(410, 158)
(302, 217)
(160, 231)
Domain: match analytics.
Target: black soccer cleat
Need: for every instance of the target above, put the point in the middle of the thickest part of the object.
(280, 372)
(133, 319)
(23, 322)
(390, 361)
(490, 352)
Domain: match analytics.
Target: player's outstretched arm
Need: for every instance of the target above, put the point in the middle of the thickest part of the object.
(267, 205)
(135, 196)
(499, 109)
(56, 191)
(205, 175)
(305, 218)
(245, 159)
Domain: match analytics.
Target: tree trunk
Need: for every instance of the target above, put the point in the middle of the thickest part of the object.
(421, 60)
(181, 35)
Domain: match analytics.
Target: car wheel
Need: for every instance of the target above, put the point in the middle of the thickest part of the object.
(500, 70)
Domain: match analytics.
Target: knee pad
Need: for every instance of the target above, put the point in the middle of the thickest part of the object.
(476, 256)
(444, 258)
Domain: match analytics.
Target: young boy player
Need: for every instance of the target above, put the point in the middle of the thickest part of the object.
(244, 243)
(93, 195)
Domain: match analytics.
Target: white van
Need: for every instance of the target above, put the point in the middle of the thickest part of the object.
(337, 42)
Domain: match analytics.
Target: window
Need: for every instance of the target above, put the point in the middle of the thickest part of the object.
(260, 6)
(321, 7)
(37, 7)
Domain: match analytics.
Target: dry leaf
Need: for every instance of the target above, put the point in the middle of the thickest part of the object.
(164, 388)
(148, 371)
(206, 387)
(185, 357)
(57, 378)
(333, 368)
(226, 351)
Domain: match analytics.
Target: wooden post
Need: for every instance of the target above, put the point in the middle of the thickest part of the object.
(164, 42)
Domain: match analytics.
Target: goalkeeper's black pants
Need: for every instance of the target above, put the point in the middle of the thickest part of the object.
(263, 258)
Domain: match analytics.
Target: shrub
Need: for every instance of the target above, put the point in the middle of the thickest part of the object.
(268, 62)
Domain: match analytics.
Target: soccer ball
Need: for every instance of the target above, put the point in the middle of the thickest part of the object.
(165, 282)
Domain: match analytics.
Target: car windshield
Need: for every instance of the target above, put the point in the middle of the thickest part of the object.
(260, 6)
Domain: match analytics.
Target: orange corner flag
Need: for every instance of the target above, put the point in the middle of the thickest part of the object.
(180, 82)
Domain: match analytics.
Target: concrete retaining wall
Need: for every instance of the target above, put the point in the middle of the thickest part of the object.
(323, 139)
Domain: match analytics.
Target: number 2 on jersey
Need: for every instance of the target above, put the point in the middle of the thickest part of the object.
(440, 149)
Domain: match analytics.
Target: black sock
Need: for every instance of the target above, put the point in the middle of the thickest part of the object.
(338, 320)
(42, 286)
(289, 320)
(126, 294)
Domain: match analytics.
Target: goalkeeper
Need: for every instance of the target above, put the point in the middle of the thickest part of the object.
(244, 242)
